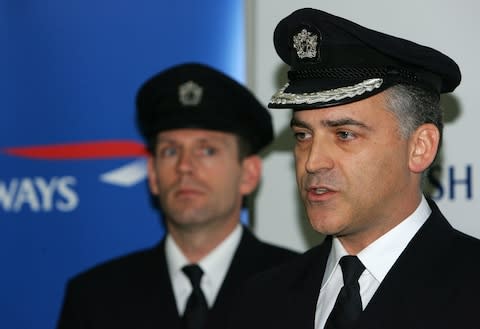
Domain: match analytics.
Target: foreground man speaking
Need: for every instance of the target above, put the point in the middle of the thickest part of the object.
(367, 124)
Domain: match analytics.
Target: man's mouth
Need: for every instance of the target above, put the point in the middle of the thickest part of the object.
(319, 190)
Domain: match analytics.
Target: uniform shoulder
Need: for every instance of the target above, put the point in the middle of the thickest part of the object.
(287, 272)
(121, 268)
(263, 252)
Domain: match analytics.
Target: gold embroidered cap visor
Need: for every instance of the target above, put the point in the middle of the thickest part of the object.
(334, 61)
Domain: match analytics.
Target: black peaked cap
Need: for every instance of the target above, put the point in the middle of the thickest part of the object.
(335, 61)
(194, 95)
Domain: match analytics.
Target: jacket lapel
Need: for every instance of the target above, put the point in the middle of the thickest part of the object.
(243, 266)
(160, 300)
(415, 279)
(305, 287)
(240, 267)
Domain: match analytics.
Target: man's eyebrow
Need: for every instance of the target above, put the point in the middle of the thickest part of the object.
(298, 123)
(330, 123)
(198, 141)
(344, 122)
(163, 139)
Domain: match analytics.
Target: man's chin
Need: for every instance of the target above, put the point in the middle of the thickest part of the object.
(323, 223)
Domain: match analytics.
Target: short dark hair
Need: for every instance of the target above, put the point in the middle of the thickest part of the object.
(414, 106)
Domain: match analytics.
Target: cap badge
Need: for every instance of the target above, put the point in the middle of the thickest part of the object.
(306, 44)
(190, 93)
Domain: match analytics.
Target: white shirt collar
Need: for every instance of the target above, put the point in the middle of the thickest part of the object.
(215, 266)
(381, 254)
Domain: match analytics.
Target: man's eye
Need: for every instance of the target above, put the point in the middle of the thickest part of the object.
(208, 151)
(168, 152)
(345, 135)
(301, 135)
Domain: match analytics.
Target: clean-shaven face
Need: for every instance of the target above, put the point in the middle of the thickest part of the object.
(352, 168)
(196, 175)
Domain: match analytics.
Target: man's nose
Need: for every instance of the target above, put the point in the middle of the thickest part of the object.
(320, 156)
(185, 162)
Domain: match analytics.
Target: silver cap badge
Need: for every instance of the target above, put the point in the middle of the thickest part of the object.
(190, 93)
(306, 44)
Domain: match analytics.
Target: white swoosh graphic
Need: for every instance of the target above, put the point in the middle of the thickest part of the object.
(128, 175)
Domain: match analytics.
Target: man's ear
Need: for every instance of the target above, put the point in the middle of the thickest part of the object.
(251, 174)
(151, 175)
(423, 147)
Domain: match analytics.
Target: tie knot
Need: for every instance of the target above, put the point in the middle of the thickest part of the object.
(352, 268)
(194, 274)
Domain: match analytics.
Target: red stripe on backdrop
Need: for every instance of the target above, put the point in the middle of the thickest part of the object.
(86, 150)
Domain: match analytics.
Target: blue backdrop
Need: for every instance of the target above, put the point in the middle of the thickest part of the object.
(72, 187)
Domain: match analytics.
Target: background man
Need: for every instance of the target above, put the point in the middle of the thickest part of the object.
(203, 131)
(367, 124)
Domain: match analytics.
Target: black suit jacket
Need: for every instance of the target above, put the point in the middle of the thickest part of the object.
(435, 283)
(135, 291)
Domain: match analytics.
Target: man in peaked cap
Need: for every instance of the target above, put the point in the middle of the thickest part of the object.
(203, 131)
(367, 124)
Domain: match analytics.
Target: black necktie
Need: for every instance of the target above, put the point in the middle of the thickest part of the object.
(196, 311)
(348, 305)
